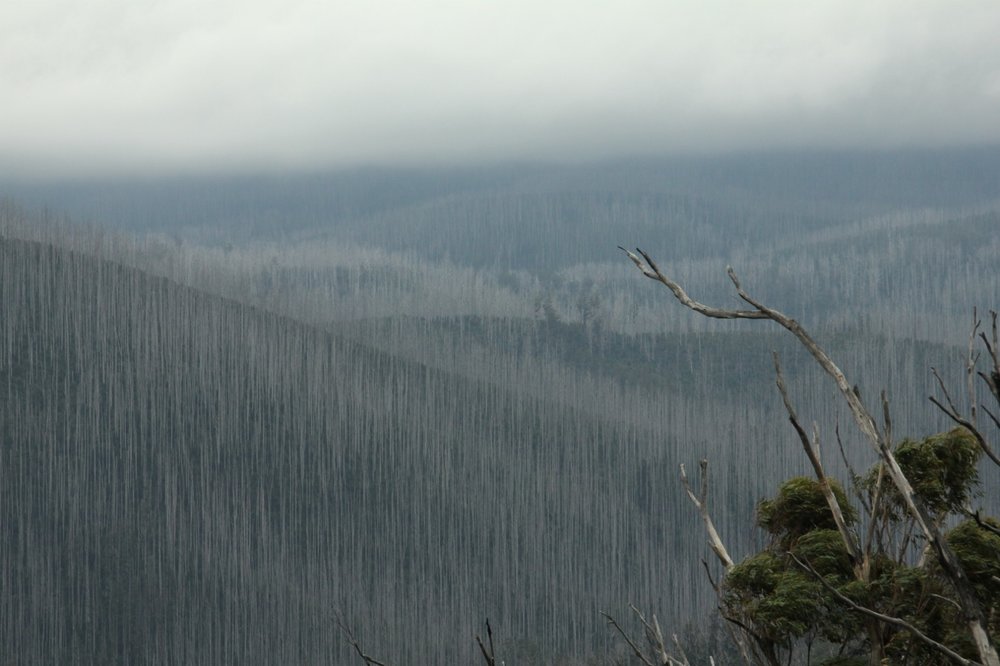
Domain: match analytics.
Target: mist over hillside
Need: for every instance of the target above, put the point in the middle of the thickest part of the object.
(901, 240)
(424, 398)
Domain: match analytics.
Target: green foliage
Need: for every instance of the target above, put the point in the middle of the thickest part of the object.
(917, 595)
(785, 605)
(824, 550)
(753, 577)
(794, 607)
(772, 593)
(781, 604)
(978, 550)
(942, 470)
(800, 508)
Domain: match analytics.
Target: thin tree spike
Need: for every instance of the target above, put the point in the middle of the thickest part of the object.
(635, 649)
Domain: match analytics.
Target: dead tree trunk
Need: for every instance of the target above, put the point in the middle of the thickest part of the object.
(971, 610)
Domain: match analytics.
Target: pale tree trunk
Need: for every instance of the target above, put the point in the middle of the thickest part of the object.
(952, 569)
(743, 638)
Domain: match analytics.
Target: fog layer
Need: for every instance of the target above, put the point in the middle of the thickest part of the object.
(117, 87)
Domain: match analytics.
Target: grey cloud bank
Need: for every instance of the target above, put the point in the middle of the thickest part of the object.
(114, 86)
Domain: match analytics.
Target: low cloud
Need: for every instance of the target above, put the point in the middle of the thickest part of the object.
(120, 86)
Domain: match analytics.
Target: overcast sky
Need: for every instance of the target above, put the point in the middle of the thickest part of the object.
(126, 85)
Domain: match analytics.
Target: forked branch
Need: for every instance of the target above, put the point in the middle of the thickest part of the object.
(949, 409)
(991, 378)
(700, 502)
(971, 609)
(489, 654)
(650, 270)
(635, 648)
(976, 516)
(658, 654)
(369, 660)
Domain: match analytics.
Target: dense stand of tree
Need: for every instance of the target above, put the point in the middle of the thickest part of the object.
(429, 408)
(190, 479)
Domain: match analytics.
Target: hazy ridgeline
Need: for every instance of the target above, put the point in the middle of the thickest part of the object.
(449, 399)
(904, 242)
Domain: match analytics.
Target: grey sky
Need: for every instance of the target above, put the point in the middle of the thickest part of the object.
(120, 85)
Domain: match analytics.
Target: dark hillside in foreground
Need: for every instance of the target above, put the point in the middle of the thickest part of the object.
(191, 480)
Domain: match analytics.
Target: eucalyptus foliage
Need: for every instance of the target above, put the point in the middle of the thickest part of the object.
(778, 595)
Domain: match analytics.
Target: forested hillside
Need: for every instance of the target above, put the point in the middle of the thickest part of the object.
(193, 480)
(428, 399)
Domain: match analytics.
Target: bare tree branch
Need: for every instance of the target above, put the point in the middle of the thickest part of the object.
(971, 609)
(650, 270)
(992, 416)
(983, 524)
(635, 649)
(812, 452)
(370, 661)
(739, 638)
(646, 270)
(946, 600)
(855, 479)
(489, 633)
(971, 359)
(680, 648)
(715, 586)
(992, 348)
(944, 389)
(488, 655)
(759, 642)
(701, 504)
(877, 499)
(992, 382)
(965, 423)
(886, 418)
(952, 412)
(654, 636)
